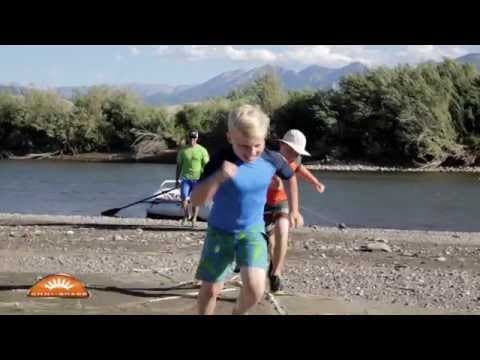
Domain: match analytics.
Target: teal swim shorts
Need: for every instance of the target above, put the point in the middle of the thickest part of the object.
(222, 249)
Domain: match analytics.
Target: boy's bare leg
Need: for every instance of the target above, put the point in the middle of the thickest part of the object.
(252, 291)
(207, 297)
(281, 245)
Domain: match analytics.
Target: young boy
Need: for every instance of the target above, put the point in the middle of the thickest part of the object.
(292, 146)
(237, 180)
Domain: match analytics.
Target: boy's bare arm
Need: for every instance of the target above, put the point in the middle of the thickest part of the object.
(296, 219)
(206, 189)
(309, 177)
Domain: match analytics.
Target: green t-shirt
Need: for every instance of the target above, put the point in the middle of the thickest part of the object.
(191, 161)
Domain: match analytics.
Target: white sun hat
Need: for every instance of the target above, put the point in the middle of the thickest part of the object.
(296, 140)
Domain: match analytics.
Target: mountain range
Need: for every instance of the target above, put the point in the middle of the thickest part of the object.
(312, 77)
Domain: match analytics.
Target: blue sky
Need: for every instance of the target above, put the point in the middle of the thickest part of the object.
(75, 65)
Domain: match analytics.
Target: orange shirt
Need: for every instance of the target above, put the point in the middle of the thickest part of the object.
(276, 191)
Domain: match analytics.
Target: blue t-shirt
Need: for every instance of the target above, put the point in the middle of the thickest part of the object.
(239, 202)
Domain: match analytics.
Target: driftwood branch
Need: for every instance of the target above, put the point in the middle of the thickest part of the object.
(147, 143)
(35, 156)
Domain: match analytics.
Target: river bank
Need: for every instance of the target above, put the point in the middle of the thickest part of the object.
(169, 157)
(434, 271)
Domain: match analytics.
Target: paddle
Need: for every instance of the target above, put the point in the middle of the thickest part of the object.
(112, 212)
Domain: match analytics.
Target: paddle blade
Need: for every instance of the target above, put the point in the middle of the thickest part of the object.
(110, 212)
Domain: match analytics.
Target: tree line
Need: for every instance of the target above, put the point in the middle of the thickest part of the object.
(407, 116)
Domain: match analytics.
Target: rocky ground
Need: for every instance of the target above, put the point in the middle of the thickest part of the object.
(374, 168)
(431, 270)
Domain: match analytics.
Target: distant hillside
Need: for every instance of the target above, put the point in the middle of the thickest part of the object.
(312, 77)
(14, 89)
(69, 91)
(473, 59)
(141, 90)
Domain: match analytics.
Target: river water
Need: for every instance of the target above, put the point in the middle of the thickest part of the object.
(432, 201)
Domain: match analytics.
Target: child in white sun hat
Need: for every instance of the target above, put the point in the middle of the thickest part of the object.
(292, 147)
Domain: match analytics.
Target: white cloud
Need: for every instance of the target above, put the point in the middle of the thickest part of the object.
(316, 54)
(202, 52)
(119, 58)
(249, 54)
(188, 52)
(339, 55)
(196, 52)
(161, 49)
(134, 50)
(419, 53)
(303, 55)
(332, 56)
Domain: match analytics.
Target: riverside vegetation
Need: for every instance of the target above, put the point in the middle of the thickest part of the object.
(427, 115)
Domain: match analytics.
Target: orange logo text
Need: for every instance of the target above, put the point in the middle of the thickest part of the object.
(59, 285)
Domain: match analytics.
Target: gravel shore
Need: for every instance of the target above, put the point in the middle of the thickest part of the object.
(372, 168)
(169, 156)
(434, 270)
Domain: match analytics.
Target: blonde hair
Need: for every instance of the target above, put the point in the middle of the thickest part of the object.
(250, 120)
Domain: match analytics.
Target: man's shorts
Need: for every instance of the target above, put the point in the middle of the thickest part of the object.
(222, 250)
(272, 213)
(186, 187)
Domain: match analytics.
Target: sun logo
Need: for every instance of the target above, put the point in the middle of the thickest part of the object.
(58, 285)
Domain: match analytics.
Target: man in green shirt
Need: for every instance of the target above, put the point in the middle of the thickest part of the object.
(191, 160)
